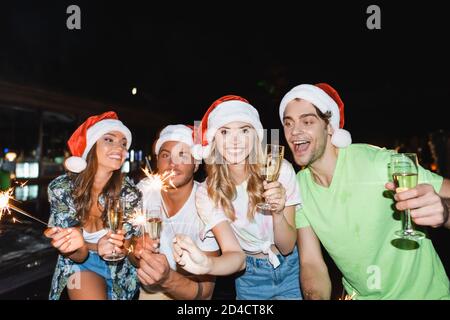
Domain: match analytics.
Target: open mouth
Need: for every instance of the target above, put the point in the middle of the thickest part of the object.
(301, 146)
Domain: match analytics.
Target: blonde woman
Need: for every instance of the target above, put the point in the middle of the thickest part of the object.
(226, 202)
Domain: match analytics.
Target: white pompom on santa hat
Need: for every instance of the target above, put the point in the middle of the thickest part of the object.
(325, 98)
(176, 132)
(87, 134)
(224, 110)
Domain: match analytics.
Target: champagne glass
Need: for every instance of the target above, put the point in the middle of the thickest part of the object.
(114, 216)
(154, 221)
(404, 170)
(270, 169)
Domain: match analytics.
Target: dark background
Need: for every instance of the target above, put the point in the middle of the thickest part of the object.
(183, 56)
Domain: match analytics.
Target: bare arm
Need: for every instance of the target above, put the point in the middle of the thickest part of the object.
(285, 234)
(233, 258)
(193, 260)
(314, 277)
(283, 216)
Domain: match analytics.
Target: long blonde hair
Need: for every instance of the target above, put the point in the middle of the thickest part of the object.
(221, 187)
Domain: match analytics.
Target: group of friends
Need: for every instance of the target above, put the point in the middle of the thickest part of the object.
(341, 199)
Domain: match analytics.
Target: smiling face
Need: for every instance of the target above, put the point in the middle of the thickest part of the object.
(111, 150)
(235, 141)
(176, 156)
(306, 132)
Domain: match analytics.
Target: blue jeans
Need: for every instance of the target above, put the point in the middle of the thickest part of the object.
(262, 282)
(95, 263)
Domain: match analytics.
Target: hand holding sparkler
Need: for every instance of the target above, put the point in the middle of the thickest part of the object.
(189, 256)
(154, 269)
(65, 240)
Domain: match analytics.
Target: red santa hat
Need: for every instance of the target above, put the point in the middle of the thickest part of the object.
(176, 132)
(224, 110)
(87, 134)
(325, 98)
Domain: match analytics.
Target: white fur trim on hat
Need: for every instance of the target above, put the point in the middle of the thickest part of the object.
(341, 138)
(200, 152)
(102, 127)
(230, 111)
(317, 97)
(177, 132)
(75, 164)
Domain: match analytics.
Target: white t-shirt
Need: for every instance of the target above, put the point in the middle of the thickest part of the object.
(254, 236)
(185, 221)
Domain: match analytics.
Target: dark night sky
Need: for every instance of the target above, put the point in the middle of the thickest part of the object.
(394, 81)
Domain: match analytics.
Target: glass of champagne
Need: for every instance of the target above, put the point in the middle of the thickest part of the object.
(270, 169)
(154, 222)
(114, 216)
(404, 170)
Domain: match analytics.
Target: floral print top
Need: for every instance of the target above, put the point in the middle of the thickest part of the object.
(63, 214)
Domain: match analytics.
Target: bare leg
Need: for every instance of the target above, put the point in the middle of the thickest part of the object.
(86, 285)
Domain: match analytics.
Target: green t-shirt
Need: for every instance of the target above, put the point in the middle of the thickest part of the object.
(355, 221)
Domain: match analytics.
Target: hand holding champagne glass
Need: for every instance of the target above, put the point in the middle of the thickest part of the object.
(270, 169)
(404, 170)
(114, 216)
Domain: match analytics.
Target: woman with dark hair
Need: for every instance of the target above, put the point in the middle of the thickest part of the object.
(77, 224)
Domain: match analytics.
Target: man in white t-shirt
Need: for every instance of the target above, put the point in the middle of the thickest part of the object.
(157, 272)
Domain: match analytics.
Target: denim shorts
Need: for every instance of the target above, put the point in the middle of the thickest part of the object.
(96, 264)
(262, 282)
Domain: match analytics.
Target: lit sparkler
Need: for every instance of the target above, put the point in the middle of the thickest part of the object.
(349, 297)
(139, 219)
(5, 196)
(157, 181)
(6, 206)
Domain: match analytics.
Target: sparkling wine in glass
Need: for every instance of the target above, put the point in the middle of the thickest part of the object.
(114, 216)
(154, 222)
(404, 170)
(270, 169)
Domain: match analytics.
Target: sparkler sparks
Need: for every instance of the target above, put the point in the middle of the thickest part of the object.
(5, 196)
(6, 206)
(139, 219)
(157, 181)
(348, 297)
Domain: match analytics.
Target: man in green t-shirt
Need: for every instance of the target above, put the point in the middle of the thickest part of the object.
(347, 207)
